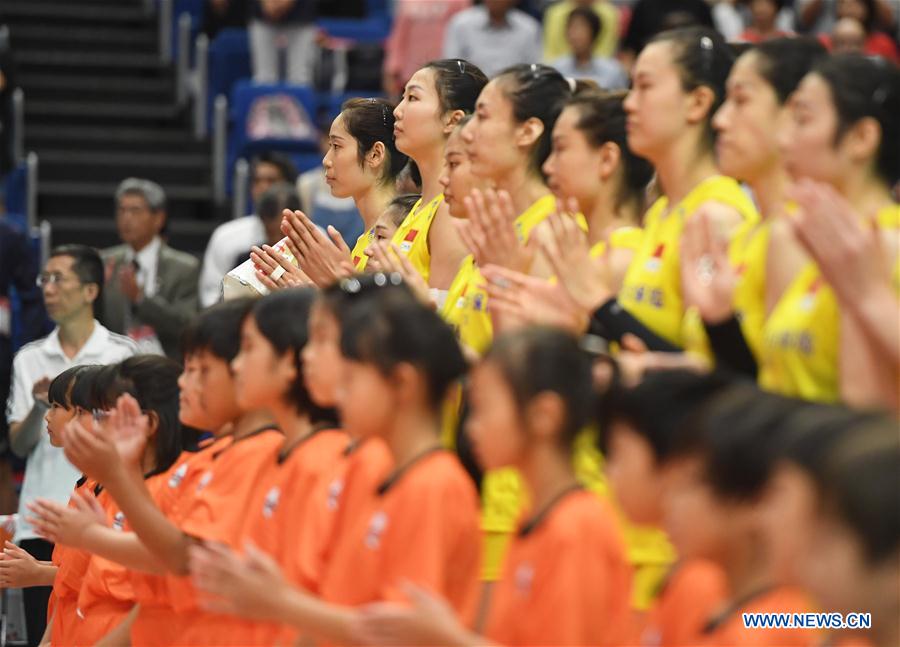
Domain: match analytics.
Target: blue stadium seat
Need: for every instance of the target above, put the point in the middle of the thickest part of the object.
(196, 10)
(15, 303)
(229, 62)
(241, 145)
(17, 193)
(374, 28)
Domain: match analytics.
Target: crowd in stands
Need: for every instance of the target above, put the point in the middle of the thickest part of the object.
(585, 333)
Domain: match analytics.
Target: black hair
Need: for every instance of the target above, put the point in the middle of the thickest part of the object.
(152, 380)
(703, 59)
(539, 360)
(536, 92)
(659, 405)
(734, 434)
(283, 319)
(282, 162)
(871, 16)
(370, 121)
(277, 198)
(61, 386)
(783, 62)
(601, 118)
(590, 17)
(217, 330)
(861, 487)
(458, 83)
(385, 325)
(863, 87)
(84, 392)
(86, 264)
(401, 205)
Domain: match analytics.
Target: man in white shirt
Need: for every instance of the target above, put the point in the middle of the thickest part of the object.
(230, 243)
(71, 283)
(151, 290)
(493, 36)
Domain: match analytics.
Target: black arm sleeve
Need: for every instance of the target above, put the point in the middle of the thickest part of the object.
(611, 321)
(730, 348)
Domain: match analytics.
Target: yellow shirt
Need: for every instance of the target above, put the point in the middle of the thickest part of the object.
(555, 43)
(748, 252)
(621, 238)
(651, 290)
(412, 235)
(801, 338)
(357, 255)
(466, 306)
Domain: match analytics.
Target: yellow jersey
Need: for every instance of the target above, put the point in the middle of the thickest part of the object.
(801, 337)
(466, 306)
(412, 235)
(621, 238)
(748, 252)
(651, 290)
(358, 254)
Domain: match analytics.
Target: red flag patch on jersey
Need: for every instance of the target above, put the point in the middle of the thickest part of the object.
(411, 236)
(655, 262)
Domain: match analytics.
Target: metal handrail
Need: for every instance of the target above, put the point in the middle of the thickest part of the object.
(18, 127)
(201, 61)
(220, 132)
(239, 189)
(183, 63)
(165, 11)
(31, 182)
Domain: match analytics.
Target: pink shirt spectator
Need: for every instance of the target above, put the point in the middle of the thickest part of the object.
(417, 37)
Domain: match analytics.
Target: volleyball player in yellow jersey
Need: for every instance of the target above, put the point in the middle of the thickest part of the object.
(434, 100)
(845, 133)
(592, 171)
(507, 141)
(679, 82)
(731, 289)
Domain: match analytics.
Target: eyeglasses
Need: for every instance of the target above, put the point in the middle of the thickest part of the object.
(52, 278)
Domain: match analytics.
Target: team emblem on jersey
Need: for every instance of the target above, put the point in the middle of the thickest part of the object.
(118, 521)
(271, 502)
(654, 263)
(809, 299)
(335, 488)
(204, 481)
(407, 243)
(377, 526)
(178, 476)
(524, 578)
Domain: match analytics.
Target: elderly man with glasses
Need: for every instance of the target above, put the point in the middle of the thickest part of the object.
(71, 283)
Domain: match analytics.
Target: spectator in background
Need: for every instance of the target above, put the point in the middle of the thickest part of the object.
(151, 288)
(283, 25)
(819, 16)
(582, 30)
(493, 36)
(763, 21)
(556, 18)
(877, 43)
(72, 283)
(848, 37)
(221, 14)
(230, 243)
(417, 37)
(650, 17)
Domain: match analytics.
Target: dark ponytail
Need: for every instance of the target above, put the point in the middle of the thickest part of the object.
(536, 92)
(458, 83)
(864, 87)
(703, 59)
(601, 118)
(370, 121)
